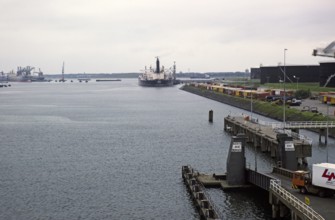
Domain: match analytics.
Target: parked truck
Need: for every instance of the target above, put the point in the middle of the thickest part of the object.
(320, 182)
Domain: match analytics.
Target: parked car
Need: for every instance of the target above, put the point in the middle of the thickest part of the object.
(314, 109)
(295, 102)
(306, 109)
(272, 98)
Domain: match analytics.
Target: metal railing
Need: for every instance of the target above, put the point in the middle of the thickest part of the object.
(283, 172)
(308, 212)
(302, 124)
(294, 135)
(289, 124)
(269, 124)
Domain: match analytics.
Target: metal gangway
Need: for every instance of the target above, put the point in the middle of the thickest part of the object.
(280, 127)
(300, 124)
(289, 124)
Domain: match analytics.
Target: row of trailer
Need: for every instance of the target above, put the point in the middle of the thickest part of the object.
(327, 97)
(244, 92)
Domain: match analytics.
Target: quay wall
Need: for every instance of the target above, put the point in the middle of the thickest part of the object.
(258, 106)
(230, 100)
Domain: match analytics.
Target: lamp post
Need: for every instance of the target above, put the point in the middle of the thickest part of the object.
(327, 121)
(255, 158)
(251, 105)
(297, 78)
(284, 117)
(327, 130)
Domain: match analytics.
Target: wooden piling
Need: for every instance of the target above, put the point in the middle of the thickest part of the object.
(210, 116)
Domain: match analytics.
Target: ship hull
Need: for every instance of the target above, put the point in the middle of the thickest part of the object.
(26, 79)
(156, 83)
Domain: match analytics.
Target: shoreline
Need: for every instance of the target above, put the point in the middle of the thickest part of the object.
(258, 106)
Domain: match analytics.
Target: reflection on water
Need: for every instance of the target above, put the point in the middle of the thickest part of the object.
(114, 150)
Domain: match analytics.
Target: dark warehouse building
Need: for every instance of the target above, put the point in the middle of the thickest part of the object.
(275, 74)
(327, 74)
(255, 73)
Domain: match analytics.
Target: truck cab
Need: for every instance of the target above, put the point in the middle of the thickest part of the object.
(300, 179)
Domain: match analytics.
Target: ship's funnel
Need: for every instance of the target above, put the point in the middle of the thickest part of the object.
(157, 66)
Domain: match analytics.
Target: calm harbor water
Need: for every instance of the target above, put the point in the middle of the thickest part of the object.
(114, 150)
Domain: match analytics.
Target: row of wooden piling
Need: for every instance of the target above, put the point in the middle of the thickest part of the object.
(200, 199)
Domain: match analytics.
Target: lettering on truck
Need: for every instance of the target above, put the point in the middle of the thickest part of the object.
(329, 176)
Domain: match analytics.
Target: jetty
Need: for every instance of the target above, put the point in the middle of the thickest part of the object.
(265, 136)
(108, 80)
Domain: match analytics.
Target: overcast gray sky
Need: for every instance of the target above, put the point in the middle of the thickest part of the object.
(125, 35)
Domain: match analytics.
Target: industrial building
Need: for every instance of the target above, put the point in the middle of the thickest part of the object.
(255, 73)
(296, 73)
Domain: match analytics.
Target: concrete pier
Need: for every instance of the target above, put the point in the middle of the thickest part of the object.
(265, 138)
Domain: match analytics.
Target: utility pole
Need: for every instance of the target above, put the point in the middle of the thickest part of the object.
(284, 116)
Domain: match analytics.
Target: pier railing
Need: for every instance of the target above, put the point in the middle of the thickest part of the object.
(300, 124)
(294, 135)
(304, 209)
(288, 124)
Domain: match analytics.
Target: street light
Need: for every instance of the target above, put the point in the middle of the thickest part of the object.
(251, 93)
(327, 129)
(284, 86)
(297, 78)
(251, 105)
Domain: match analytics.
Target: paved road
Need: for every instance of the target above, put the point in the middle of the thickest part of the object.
(322, 108)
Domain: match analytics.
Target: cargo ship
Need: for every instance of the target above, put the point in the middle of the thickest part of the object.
(158, 77)
(25, 74)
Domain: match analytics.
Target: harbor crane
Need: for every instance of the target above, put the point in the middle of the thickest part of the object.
(328, 51)
(24, 71)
